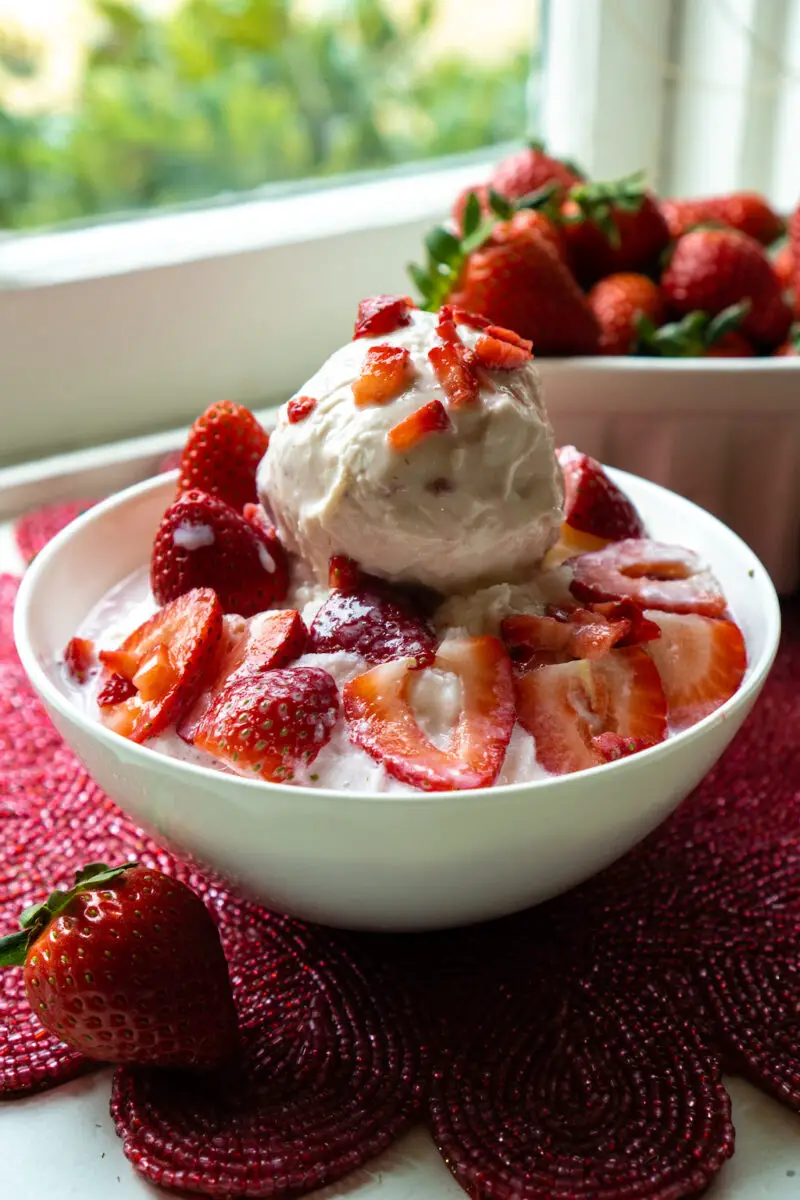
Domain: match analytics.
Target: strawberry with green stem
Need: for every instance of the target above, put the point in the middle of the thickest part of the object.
(612, 227)
(697, 335)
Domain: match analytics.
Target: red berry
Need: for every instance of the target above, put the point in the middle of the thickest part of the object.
(115, 689)
(202, 542)
(535, 641)
(618, 301)
(127, 966)
(378, 315)
(604, 238)
(701, 662)
(270, 723)
(343, 574)
(748, 212)
(300, 407)
(518, 175)
(652, 574)
(454, 366)
(386, 373)
(431, 418)
(222, 453)
(79, 658)
(375, 624)
(592, 503)
(501, 354)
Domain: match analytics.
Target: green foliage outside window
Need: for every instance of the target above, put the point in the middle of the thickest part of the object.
(227, 95)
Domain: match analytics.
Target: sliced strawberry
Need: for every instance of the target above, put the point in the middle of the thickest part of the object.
(701, 662)
(264, 642)
(446, 325)
(567, 706)
(79, 658)
(431, 418)
(115, 689)
(641, 628)
(592, 503)
(652, 574)
(612, 746)
(221, 455)
(499, 355)
(168, 660)
(386, 373)
(374, 624)
(344, 575)
(382, 722)
(272, 722)
(537, 641)
(382, 314)
(202, 542)
(454, 366)
(300, 407)
(462, 317)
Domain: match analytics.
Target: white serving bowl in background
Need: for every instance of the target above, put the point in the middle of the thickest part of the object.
(724, 432)
(393, 862)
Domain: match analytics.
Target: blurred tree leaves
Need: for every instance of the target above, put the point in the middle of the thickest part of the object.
(226, 95)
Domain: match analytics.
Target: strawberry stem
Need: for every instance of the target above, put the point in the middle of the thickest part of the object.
(690, 337)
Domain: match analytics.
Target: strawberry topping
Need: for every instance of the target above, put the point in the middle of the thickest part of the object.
(300, 407)
(592, 503)
(378, 315)
(374, 624)
(652, 574)
(446, 326)
(462, 317)
(567, 706)
(115, 689)
(167, 661)
(612, 746)
(641, 628)
(270, 723)
(221, 455)
(701, 662)
(500, 355)
(344, 575)
(538, 641)
(386, 373)
(202, 542)
(79, 658)
(431, 418)
(454, 364)
(381, 718)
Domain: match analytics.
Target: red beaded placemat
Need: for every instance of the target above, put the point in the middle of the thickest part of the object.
(573, 1051)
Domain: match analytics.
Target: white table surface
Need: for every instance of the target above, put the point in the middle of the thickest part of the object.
(61, 1145)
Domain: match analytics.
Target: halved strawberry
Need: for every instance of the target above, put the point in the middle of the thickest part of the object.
(221, 455)
(701, 662)
(567, 706)
(382, 314)
(387, 371)
(431, 418)
(592, 503)
(203, 542)
(454, 366)
(272, 722)
(300, 407)
(382, 722)
(262, 643)
(538, 641)
(168, 660)
(373, 623)
(79, 658)
(652, 574)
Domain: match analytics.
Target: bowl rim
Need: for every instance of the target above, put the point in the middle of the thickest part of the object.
(58, 700)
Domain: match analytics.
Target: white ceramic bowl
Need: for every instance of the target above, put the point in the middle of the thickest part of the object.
(399, 862)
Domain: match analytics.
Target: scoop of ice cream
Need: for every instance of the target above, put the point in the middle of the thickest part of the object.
(476, 503)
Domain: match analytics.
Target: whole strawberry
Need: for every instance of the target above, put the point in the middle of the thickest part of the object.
(713, 269)
(618, 302)
(794, 243)
(520, 174)
(748, 212)
(612, 227)
(127, 966)
(222, 453)
(204, 543)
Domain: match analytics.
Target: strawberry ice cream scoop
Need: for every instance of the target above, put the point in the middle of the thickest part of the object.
(437, 468)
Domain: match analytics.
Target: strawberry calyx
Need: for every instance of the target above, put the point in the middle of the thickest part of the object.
(35, 919)
(597, 202)
(690, 337)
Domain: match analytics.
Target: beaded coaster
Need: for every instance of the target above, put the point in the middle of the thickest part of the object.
(574, 1051)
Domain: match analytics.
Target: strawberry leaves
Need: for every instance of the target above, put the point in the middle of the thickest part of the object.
(690, 337)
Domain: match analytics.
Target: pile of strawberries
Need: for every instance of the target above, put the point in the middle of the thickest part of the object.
(580, 267)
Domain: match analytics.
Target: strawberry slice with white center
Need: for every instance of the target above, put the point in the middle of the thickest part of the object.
(592, 503)
(386, 373)
(263, 643)
(271, 723)
(167, 661)
(567, 706)
(701, 662)
(454, 366)
(381, 719)
(413, 429)
(652, 574)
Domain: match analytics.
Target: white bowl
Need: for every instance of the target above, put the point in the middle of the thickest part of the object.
(399, 862)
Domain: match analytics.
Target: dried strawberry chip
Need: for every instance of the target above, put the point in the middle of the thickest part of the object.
(604, 1096)
(417, 426)
(329, 1075)
(382, 314)
(300, 407)
(454, 366)
(374, 624)
(35, 529)
(652, 574)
